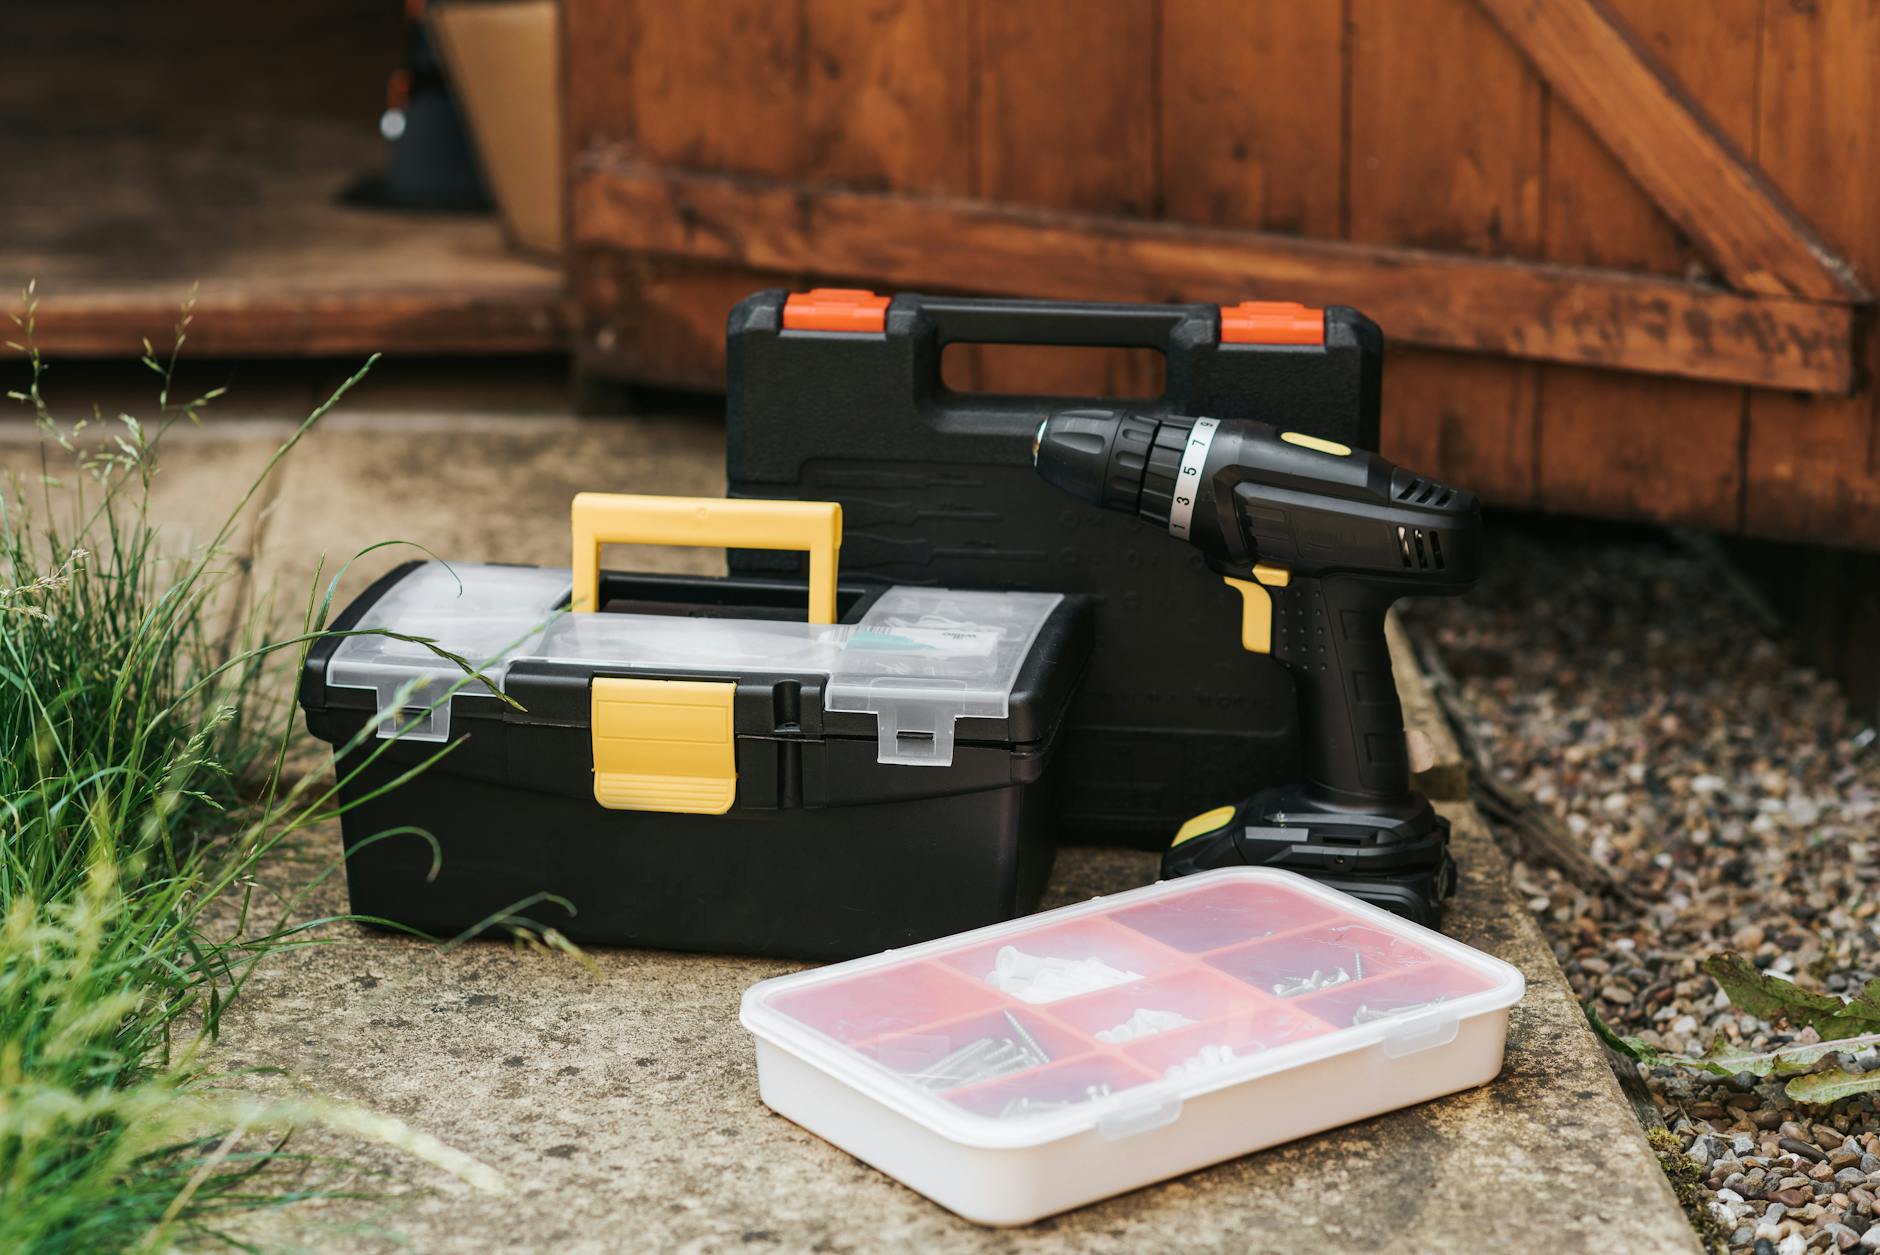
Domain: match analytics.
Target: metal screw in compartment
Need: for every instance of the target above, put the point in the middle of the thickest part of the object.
(1311, 984)
(955, 1068)
(1357, 963)
(1029, 1041)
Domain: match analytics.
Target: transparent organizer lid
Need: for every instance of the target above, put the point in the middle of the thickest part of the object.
(919, 659)
(1112, 1012)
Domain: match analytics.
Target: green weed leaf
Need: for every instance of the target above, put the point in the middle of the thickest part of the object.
(1831, 1085)
(1772, 999)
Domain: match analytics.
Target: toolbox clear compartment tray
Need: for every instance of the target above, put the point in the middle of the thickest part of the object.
(1000, 1071)
(919, 659)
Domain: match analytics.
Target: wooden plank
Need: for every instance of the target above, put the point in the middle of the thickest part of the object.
(890, 102)
(257, 321)
(718, 85)
(1811, 467)
(598, 42)
(1630, 446)
(1068, 119)
(1449, 161)
(1253, 116)
(889, 95)
(1520, 309)
(1685, 161)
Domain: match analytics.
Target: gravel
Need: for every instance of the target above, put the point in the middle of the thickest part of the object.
(1622, 683)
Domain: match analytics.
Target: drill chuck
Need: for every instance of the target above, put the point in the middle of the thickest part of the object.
(1115, 459)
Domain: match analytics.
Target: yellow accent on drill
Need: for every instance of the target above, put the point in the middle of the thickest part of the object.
(663, 745)
(1256, 606)
(1316, 442)
(602, 518)
(1272, 576)
(1205, 822)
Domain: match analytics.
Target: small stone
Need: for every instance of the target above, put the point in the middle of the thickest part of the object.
(1796, 1146)
(1871, 1238)
(1861, 1197)
(1706, 1110)
(1764, 1246)
(1743, 1102)
(1767, 1119)
(1843, 1158)
(1844, 1237)
(1729, 1197)
(1794, 1244)
(1790, 1197)
(1828, 1137)
(1850, 1176)
(1870, 1163)
(1793, 1130)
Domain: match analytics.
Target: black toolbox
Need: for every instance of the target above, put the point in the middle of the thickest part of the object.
(692, 766)
(837, 396)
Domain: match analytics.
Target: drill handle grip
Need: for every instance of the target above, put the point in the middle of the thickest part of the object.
(1329, 633)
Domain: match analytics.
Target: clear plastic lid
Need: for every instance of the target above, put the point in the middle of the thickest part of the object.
(1112, 1012)
(918, 660)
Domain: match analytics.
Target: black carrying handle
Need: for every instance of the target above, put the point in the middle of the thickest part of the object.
(1096, 324)
(1329, 632)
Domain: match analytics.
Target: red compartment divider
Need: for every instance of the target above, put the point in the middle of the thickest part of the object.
(945, 994)
(1096, 1067)
(897, 998)
(1206, 916)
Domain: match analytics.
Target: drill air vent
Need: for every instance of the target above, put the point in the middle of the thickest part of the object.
(1420, 548)
(1428, 492)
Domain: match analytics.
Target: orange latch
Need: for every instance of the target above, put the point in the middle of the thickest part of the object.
(835, 309)
(1271, 322)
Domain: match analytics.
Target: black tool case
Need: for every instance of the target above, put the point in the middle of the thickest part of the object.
(689, 768)
(837, 396)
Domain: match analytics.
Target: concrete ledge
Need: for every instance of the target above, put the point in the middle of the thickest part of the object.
(620, 1098)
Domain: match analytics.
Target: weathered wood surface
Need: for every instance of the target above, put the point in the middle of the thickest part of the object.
(1688, 165)
(1061, 148)
(1527, 310)
(152, 149)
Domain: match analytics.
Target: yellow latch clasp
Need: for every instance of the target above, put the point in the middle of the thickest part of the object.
(664, 745)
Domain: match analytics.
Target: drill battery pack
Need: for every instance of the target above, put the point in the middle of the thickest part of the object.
(683, 761)
(838, 396)
(1408, 871)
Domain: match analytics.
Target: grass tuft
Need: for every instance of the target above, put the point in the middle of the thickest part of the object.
(141, 787)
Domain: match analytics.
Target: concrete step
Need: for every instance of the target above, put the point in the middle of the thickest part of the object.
(619, 1097)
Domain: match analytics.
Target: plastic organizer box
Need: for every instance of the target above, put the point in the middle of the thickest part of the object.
(1025, 1068)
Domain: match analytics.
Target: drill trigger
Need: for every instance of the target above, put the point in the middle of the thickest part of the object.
(1256, 606)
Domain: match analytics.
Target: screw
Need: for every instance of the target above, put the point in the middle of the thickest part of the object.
(1031, 1043)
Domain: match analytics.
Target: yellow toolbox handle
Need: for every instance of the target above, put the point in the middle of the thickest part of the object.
(612, 518)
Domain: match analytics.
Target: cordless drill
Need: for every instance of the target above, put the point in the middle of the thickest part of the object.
(1319, 539)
